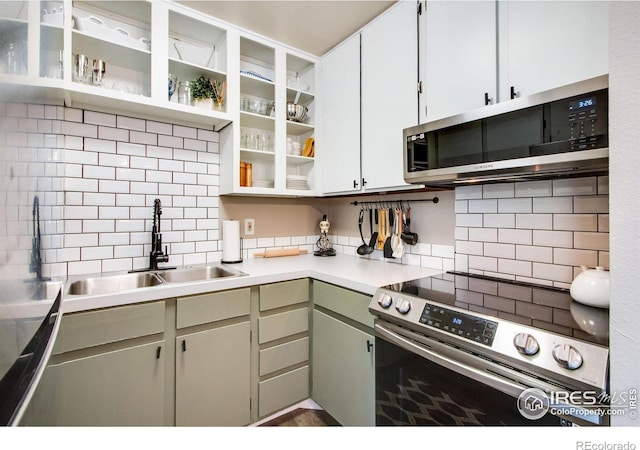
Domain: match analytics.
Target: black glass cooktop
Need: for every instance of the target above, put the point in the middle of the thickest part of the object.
(534, 305)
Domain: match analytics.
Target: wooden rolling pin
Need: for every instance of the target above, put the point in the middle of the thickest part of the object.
(280, 252)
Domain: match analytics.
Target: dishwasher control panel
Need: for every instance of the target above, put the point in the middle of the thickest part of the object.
(461, 324)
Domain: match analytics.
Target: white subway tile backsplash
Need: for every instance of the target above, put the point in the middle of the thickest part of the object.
(499, 190)
(98, 172)
(79, 129)
(140, 137)
(115, 239)
(461, 206)
(469, 247)
(131, 123)
(97, 118)
(499, 220)
(483, 206)
(116, 187)
(431, 262)
(113, 212)
(127, 148)
(89, 253)
(468, 192)
(135, 175)
(462, 233)
(194, 144)
(575, 186)
(533, 189)
(603, 185)
(483, 263)
(115, 160)
(420, 248)
(84, 267)
(188, 132)
(591, 204)
(591, 241)
(483, 234)
(159, 127)
(154, 151)
(170, 189)
(81, 240)
(534, 221)
(603, 223)
(572, 257)
(509, 236)
(207, 135)
(113, 134)
(131, 200)
(499, 250)
(70, 115)
(552, 272)
(80, 157)
(553, 238)
(553, 205)
(170, 141)
(469, 220)
(443, 251)
(143, 163)
(533, 253)
(575, 222)
(98, 226)
(185, 178)
(514, 205)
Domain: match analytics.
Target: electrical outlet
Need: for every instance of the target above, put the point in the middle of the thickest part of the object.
(249, 227)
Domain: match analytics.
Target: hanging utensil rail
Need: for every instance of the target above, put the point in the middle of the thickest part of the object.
(392, 203)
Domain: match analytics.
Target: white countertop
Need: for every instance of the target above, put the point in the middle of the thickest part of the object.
(359, 274)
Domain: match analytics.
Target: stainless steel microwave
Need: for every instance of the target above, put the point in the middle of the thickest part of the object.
(561, 132)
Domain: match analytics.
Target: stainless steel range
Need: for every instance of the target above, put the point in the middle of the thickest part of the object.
(461, 349)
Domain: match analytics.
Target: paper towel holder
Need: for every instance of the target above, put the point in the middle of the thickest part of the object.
(241, 252)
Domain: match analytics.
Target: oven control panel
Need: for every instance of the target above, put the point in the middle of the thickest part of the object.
(465, 325)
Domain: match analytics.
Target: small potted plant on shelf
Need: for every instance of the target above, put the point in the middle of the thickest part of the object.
(207, 93)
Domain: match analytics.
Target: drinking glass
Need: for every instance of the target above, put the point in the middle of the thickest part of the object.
(99, 68)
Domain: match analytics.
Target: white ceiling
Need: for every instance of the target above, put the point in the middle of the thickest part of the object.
(315, 26)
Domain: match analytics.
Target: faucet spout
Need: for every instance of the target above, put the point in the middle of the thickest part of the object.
(157, 255)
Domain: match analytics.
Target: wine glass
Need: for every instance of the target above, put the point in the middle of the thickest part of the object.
(173, 82)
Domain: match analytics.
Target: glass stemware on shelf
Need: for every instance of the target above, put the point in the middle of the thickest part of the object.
(173, 81)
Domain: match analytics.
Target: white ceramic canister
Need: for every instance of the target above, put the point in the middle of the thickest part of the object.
(591, 287)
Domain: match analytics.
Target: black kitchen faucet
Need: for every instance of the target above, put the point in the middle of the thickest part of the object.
(157, 255)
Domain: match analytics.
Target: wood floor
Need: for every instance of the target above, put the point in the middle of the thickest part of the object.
(303, 417)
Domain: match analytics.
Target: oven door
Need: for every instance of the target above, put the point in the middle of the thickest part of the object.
(422, 384)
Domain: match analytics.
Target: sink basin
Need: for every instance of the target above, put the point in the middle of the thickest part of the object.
(198, 274)
(114, 283)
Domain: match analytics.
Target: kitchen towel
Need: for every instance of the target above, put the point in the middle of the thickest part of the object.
(231, 241)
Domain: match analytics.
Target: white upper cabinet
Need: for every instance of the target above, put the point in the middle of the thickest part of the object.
(389, 100)
(482, 52)
(457, 57)
(340, 119)
(547, 44)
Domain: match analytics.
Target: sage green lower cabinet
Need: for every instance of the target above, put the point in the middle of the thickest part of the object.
(213, 377)
(107, 369)
(283, 340)
(343, 355)
(213, 359)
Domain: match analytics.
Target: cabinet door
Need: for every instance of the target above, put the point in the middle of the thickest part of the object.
(548, 44)
(339, 142)
(389, 94)
(213, 377)
(120, 388)
(457, 57)
(343, 371)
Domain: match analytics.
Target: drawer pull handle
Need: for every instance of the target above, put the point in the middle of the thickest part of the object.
(158, 351)
(369, 346)
(184, 345)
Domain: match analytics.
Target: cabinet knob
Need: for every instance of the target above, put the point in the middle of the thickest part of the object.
(513, 94)
(487, 100)
(355, 184)
(369, 346)
(184, 345)
(158, 351)
(364, 182)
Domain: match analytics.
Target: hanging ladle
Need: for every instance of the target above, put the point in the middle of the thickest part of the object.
(364, 249)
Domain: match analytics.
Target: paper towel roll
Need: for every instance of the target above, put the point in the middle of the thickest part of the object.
(231, 251)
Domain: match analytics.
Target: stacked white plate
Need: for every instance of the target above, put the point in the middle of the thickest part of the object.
(263, 183)
(297, 182)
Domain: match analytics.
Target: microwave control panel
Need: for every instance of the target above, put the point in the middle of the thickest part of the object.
(460, 324)
(585, 121)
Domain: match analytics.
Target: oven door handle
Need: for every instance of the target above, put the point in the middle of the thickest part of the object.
(487, 378)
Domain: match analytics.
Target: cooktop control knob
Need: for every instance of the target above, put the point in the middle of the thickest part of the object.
(385, 300)
(403, 306)
(567, 356)
(526, 344)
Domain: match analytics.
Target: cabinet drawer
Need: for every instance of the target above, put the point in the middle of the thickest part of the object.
(284, 390)
(353, 305)
(211, 307)
(92, 328)
(284, 355)
(282, 325)
(286, 293)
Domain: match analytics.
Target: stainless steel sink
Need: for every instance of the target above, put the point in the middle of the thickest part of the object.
(198, 274)
(113, 283)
